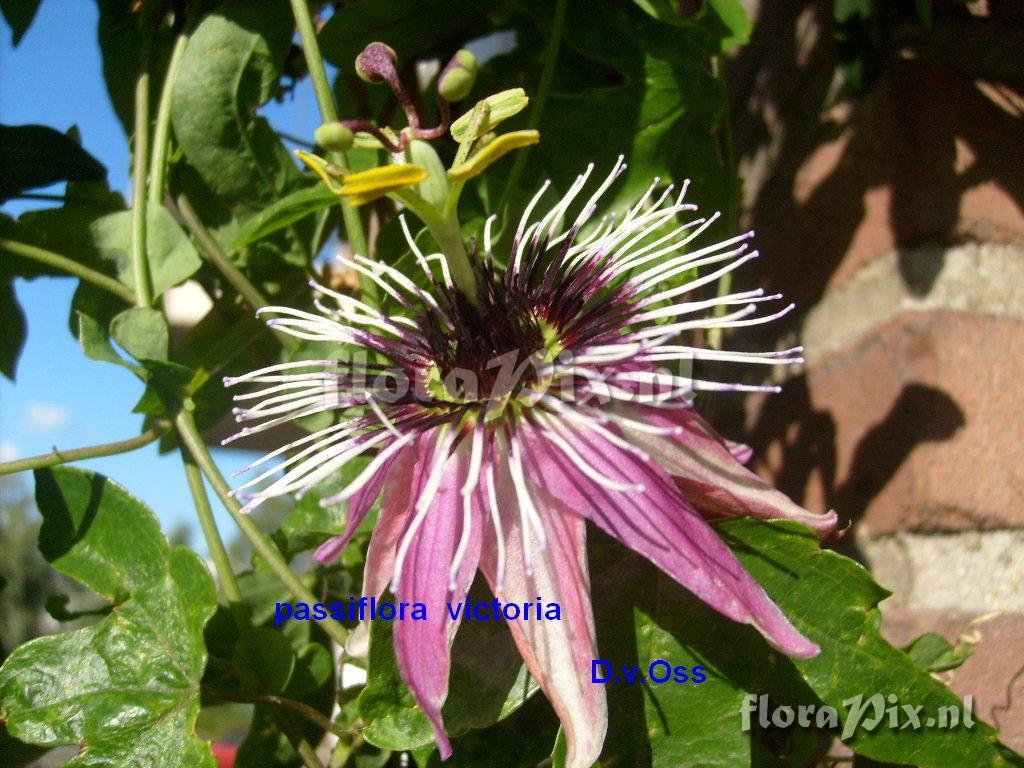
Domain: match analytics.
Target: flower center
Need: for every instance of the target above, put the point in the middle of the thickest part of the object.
(493, 351)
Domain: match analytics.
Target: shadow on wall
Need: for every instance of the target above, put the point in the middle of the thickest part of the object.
(920, 414)
(921, 157)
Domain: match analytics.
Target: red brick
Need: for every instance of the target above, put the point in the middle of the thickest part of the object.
(994, 674)
(914, 427)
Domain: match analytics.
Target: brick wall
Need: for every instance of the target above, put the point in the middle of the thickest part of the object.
(896, 219)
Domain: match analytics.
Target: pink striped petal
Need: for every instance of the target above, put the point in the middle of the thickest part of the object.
(659, 524)
(358, 506)
(423, 648)
(710, 475)
(401, 488)
(557, 653)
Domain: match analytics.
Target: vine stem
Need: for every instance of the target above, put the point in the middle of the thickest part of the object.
(69, 266)
(301, 708)
(540, 100)
(222, 261)
(329, 114)
(239, 610)
(214, 542)
(162, 129)
(260, 541)
(56, 457)
(140, 261)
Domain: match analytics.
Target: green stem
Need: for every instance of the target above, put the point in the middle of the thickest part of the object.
(140, 262)
(217, 255)
(214, 543)
(162, 130)
(70, 266)
(222, 261)
(261, 543)
(329, 114)
(239, 610)
(300, 708)
(56, 456)
(540, 100)
(445, 229)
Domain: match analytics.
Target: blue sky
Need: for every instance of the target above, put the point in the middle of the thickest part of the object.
(61, 398)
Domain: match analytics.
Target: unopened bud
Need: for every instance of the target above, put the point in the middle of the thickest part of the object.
(334, 137)
(376, 63)
(456, 81)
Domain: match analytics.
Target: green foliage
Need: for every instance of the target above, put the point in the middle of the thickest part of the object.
(638, 78)
(230, 68)
(36, 156)
(12, 330)
(128, 686)
(19, 15)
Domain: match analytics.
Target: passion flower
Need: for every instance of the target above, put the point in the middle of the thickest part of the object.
(505, 412)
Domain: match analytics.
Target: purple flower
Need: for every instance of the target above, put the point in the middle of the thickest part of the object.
(500, 422)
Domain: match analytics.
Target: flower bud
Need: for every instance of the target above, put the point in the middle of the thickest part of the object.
(376, 63)
(334, 136)
(456, 81)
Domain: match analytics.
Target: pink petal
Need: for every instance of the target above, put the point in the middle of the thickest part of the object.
(423, 648)
(740, 451)
(401, 488)
(557, 653)
(358, 506)
(710, 476)
(659, 524)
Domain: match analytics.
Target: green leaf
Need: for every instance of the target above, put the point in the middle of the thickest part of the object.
(127, 688)
(393, 721)
(12, 330)
(726, 21)
(648, 97)
(172, 257)
(142, 332)
(229, 69)
(936, 654)
(65, 230)
(488, 682)
(289, 209)
(166, 388)
(19, 15)
(95, 343)
(36, 156)
(266, 660)
(833, 601)
(644, 618)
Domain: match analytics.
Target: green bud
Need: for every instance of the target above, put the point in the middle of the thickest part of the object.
(500, 106)
(334, 137)
(456, 81)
